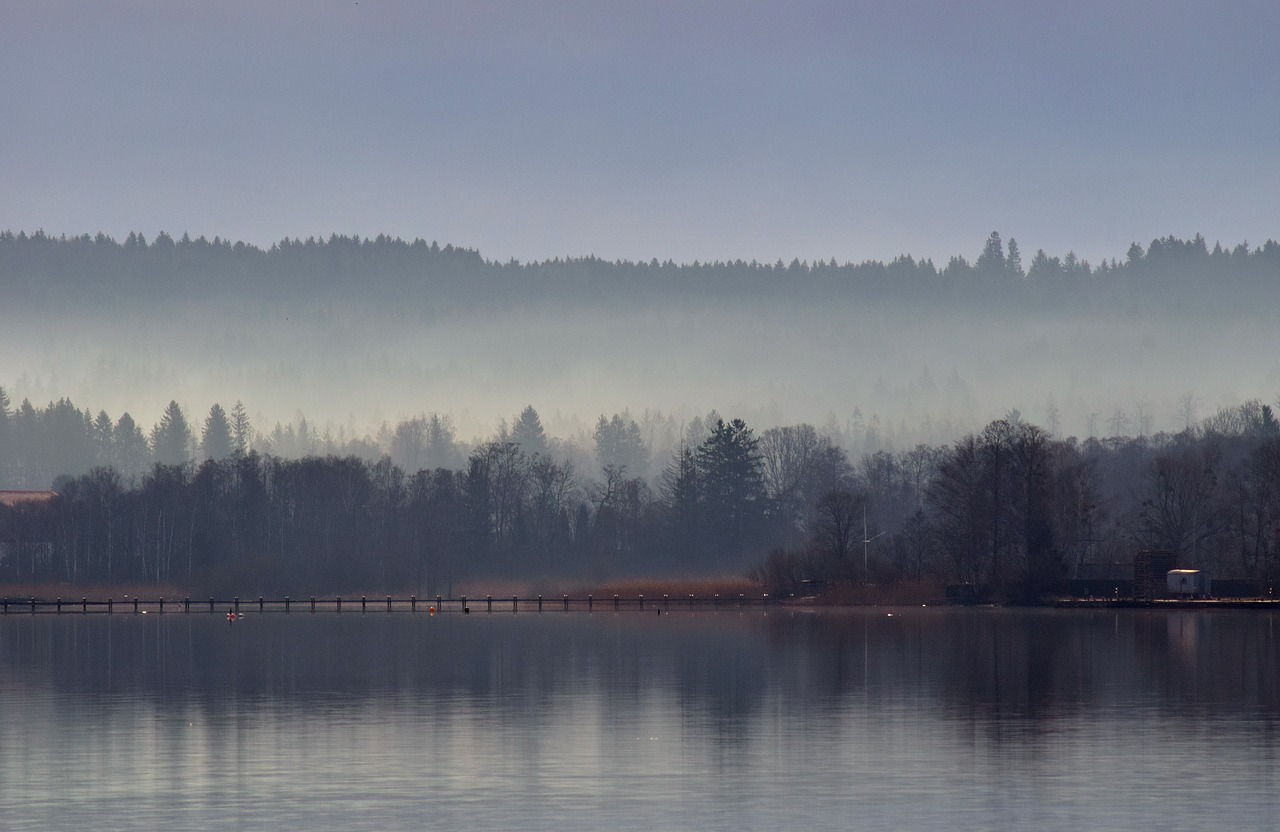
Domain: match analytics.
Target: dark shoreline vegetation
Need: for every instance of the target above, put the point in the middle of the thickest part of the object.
(1010, 508)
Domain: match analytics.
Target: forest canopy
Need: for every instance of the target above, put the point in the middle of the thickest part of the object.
(38, 268)
(1011, 506)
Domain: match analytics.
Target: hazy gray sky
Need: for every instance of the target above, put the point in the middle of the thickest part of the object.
(689, 129)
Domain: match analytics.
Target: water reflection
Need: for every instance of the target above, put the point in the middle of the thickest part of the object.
(922, 718)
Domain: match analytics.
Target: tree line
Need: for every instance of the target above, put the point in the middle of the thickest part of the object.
(96, 271)
(1011, 507)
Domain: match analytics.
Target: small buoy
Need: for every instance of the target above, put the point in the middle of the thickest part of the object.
(467, 610)
(231, 616)
(431, 610)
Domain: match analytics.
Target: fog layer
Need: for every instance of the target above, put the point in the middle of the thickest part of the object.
(355, 334)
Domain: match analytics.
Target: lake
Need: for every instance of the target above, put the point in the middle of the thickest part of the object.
(911, 719)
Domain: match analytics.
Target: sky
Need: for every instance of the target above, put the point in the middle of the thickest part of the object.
(686, 130)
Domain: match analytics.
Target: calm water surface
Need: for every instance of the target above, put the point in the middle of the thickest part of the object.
(923, 719)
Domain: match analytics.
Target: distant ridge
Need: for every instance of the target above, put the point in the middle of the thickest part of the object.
(38, 268)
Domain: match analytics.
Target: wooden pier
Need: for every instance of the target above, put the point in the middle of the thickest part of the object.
(1169, 603)
(363, 605)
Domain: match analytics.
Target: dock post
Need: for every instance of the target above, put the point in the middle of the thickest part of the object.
(286, 604)
(161, 604)
(108, 606)
(641, 602)
(388, 603)
(135, 605)
(589, 603)
(715, 601)
(539, 603)
(615, 602)
(515, 602)
(260, 604)
(338, 602)
(313, 604)
(488, 603)
(666, 600)
(464, 604)
(566, 603)
(186, 604)
(413, 603)
(237, 605)
(210, 605)
(439, 604)
(84, 605)
(33, 605)
(59, 607)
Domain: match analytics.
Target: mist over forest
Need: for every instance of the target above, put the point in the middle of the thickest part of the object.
(356, 335)
(375, 413)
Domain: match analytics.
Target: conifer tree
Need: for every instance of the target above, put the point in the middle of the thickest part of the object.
(528, 433)
(240, 428)
(730, 469)
(171, 438)
(216, 442)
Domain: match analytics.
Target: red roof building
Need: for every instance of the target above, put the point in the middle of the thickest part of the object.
(13, 499)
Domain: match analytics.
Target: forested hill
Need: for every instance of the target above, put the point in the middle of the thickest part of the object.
(101, 273)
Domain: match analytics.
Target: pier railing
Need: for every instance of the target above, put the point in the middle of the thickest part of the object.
(236, 605)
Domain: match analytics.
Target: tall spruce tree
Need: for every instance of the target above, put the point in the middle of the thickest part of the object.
(216, 443)
(171, 438)
(240, 428)
(528, 433)
(129, 449)
(730, 470)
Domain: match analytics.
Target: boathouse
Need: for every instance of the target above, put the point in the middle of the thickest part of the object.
(1187, 583)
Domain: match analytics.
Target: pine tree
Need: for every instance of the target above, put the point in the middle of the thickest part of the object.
(730, 470)
(1013, 262)
(129, 448)
(171, 438)
(240, 428)
(681, 491)
(103, 433)
(619, 443)
(991, 263)
(528, 433)
(216, 440)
